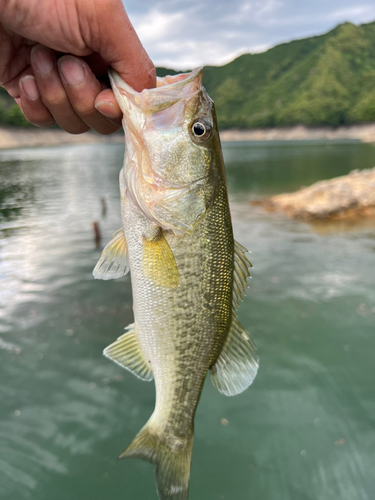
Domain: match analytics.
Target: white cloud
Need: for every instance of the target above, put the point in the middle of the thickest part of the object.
(189, 54)
(156, 26)
(179, 35)
(358, 14)
(255, 12)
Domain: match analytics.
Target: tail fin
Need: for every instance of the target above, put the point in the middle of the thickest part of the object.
(173, 461)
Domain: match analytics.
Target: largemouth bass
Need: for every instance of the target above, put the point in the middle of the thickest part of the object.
(188, 274)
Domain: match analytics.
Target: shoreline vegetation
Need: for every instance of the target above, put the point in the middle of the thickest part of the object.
(13, 137)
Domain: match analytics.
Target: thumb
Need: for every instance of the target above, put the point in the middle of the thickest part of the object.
(118, 44)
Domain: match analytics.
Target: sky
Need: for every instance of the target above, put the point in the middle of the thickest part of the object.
(183, 34)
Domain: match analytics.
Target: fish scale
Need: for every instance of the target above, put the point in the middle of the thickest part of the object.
(188, 274)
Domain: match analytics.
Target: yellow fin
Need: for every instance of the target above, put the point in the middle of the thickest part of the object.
(237, 365)
(158, 262)
(113, 262)
(240, 273)
(127, 353)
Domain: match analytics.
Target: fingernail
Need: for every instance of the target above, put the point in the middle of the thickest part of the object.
(43, 61)
(72, 71)
(152, 77)
(107, 109)
(30, 88)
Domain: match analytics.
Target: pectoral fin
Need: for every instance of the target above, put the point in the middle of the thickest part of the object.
(113, 262)
(237, 365)
(127, 353)
(158, 262)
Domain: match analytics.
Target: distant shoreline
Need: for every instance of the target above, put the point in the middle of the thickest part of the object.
(11, 138)
(362, 133)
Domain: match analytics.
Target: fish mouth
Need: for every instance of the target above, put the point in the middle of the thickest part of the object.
(172, 81)
(169, 90)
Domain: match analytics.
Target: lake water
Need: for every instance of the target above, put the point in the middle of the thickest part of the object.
(305, 430)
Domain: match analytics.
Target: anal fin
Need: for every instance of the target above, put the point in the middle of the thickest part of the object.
(127, 353)
(237, 365)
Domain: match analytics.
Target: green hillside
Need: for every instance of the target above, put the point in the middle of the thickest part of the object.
(322, 80)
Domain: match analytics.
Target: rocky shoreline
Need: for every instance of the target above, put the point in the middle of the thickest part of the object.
(342, 198)
(361, 133)
(35, 137)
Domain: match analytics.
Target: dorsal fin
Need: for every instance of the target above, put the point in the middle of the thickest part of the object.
(240, 273)
(127, 353)
(113, 262)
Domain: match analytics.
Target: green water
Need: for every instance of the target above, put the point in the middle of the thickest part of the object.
(304, 431)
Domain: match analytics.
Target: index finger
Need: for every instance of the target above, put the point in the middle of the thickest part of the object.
(119, 45)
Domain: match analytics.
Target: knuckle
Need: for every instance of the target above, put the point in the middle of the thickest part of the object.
(76, 129)
(86, 112)
(39, 118)
(55, 100)
(108, 130)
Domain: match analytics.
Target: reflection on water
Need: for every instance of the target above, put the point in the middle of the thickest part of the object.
(261, 169)
(352, 224)
(305, 430)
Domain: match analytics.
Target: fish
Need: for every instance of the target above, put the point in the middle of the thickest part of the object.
(188, 274)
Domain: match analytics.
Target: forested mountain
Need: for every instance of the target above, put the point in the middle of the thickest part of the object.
(322, 80)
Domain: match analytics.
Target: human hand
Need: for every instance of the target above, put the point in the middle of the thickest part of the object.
(66, 90)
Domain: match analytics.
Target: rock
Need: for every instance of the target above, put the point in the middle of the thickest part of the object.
(339, 198)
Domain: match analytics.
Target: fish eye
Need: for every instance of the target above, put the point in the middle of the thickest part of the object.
(201, 130)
